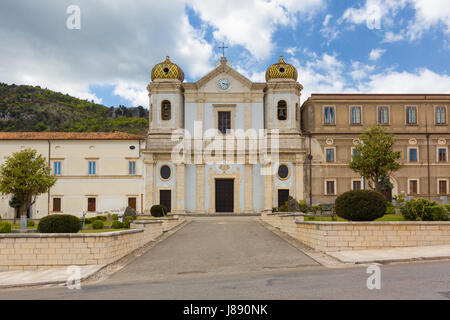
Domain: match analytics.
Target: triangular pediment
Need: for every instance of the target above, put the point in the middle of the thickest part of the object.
(224, 70)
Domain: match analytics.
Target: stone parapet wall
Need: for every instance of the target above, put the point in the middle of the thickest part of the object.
(31, 251)
(340, 236)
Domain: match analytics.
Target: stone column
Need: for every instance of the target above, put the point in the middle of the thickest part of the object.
(149, 184)
(299, 190)
(201, 188)
(248, 188)
(180, 189)
(268, 189)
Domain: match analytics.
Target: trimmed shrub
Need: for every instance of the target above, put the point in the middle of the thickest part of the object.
(447, 207)
(361, 205)
(30, 223)
(5, 227)
(97, 224)
(418, 209)
(115, 217)
(303, 206)
(158, 210)
(390, 208)
(116, 224)
(59, 223)
(127, 221)
(439, 213)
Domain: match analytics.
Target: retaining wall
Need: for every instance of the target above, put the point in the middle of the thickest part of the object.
(341, 236)
(30, 251)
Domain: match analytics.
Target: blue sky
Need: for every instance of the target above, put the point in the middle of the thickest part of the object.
(361, 46)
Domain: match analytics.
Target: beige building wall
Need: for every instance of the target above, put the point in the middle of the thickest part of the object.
(111, 185)
(343, 135)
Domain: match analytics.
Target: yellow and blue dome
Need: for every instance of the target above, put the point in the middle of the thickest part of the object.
(167, 70)
(281, 70)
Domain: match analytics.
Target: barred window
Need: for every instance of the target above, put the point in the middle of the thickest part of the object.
(328, 115)
(355, 115)
(411, 115)
(383, 115)
(441, 115)
(224, 124)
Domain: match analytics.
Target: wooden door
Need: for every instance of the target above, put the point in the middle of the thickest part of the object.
(283, 196)
(132, 203)
(224, 195)
(165, 198)
(92, 205)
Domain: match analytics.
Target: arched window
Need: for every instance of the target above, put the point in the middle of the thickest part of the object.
(166, 110)
(282, 110)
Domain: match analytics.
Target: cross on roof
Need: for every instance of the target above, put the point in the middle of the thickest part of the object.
(223, 49)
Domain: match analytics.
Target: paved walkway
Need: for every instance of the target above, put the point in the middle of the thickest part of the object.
(213, 246)
(43, 277)
(393, 254)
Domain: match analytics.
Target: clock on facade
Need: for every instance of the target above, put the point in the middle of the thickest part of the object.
(224, 83)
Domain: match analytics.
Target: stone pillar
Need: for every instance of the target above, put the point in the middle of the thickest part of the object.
(268, 188)
(149, 185)
(200, 188)
(299, 189)
(180, 190)
(248, 188)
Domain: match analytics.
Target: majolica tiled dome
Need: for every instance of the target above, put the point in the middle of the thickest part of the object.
(167, 70)
(281, 70)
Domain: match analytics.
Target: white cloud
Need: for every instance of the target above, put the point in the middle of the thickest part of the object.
(391, 37)
(429, 13)
(329, 31)
(381, 14)
(252, 24)
(421, 81)
(360, 70)
(118, 43)
(376, 54)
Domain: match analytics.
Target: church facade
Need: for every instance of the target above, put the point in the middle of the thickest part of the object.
(227, 144)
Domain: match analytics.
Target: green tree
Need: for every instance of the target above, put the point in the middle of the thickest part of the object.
(375, 158)
(25, 175)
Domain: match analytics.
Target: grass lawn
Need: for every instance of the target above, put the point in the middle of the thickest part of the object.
(387, 217)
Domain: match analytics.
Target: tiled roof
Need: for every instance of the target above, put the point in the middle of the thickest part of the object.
(69, 136)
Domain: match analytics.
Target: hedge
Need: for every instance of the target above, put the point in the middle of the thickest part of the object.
(361, 205)
(59, 223)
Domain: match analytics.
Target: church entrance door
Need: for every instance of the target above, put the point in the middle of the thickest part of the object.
(224, 195)
(165, 198)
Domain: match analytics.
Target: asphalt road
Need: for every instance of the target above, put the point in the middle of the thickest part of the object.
(237, 258)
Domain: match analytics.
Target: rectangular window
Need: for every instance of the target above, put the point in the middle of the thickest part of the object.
(353, 152)
(330, 155)
(224, 124)
(356, 185)
(442, 155)
(56, 204)
(330, 188)
(57, 168)
(413, 155)
(413, 187)
(441, 117)
(355, 115)
(92, 207)
(132, 167)
(328, 115)
(383, 115)
(443, 190)
(92, 165)
(411, 115)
